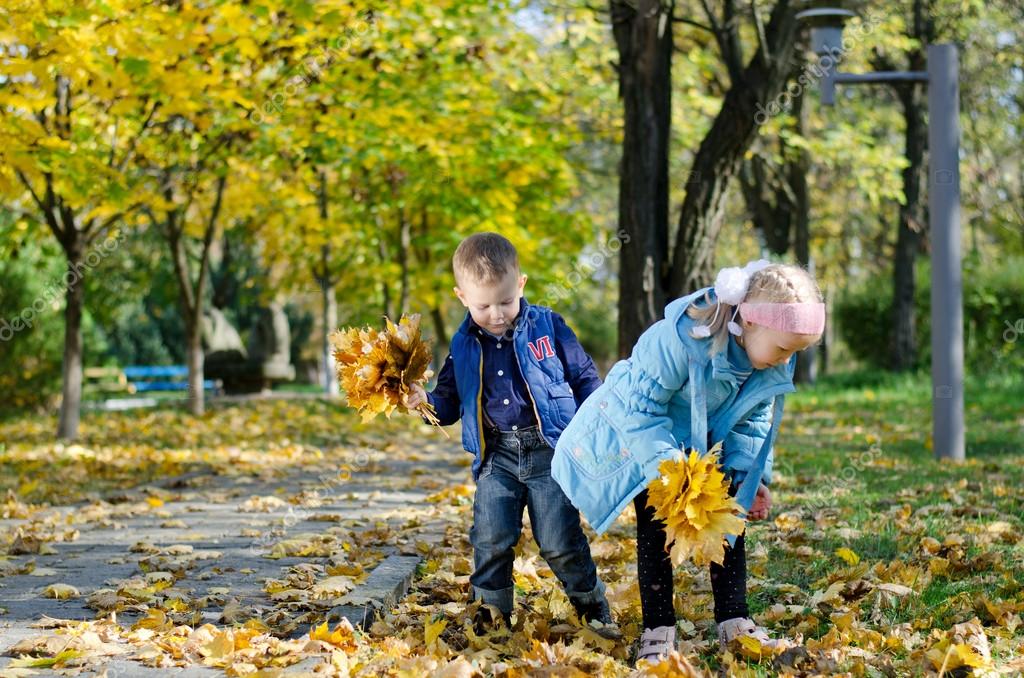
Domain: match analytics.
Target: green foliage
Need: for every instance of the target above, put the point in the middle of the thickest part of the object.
(32, 322)
(993, 317)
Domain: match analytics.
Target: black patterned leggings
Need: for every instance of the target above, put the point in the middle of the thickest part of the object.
(654, 569)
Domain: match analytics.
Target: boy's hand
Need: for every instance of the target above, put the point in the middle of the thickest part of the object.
(762, 504)
(416, 398)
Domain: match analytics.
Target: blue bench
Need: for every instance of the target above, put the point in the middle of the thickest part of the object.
(162, 378)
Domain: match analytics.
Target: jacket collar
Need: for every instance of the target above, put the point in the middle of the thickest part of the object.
(468, 326)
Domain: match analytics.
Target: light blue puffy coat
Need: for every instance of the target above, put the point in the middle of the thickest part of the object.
(669, 393)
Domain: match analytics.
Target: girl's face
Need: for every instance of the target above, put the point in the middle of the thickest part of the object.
(767, 347)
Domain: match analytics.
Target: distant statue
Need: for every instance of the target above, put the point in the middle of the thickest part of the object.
(267, 361)
(219, 335)
(270, 345)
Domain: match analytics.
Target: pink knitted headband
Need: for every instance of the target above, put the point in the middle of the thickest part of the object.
(797, 318)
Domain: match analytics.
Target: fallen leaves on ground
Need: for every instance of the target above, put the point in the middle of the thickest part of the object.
(907, 567)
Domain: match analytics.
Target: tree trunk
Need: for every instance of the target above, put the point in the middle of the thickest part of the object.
(807, 361)
(330, 320)
(196, 403)
(799, 166)
(71, 402)
(441, 344)
(191, 296)
(644, 38)
(404, 246)
(382, 249)
(329, 301)
(750, 94)
(911, 223)
(768, 201)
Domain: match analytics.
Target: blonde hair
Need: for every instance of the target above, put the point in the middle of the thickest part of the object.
(484, 258)
(777, 283)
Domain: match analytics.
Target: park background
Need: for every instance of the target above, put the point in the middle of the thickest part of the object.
(170, 167)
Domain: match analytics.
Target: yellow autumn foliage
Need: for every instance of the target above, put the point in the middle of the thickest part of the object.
(377, 369)
(692, 497)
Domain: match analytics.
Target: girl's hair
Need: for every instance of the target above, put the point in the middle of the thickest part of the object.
(777, 283)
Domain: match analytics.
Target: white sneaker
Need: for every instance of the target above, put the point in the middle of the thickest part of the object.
(656, 643)
(731, 629)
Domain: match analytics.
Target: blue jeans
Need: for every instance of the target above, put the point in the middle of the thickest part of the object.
(516, 473)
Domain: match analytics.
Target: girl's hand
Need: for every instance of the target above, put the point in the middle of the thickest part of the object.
(762, 503)
(416, 398)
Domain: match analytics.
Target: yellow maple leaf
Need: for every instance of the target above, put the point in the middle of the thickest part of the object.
(751, 647)
(432, 630)
(342, 637)
(674, 665)
(955, 656)
(965, 645)
(692, 497)
(848, 555)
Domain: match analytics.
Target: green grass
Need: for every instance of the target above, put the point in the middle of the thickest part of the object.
(854, 463)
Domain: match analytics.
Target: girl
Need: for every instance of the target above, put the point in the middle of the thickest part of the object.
(715, 368)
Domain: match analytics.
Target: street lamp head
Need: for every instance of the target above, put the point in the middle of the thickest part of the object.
(826, 24)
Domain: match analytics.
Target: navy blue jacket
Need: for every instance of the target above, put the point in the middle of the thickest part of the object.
(558, 373)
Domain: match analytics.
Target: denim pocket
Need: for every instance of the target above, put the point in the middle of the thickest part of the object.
(487, 465)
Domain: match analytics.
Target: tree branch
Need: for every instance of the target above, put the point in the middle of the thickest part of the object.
(28, 185)
(45, 207)
(734, 55)
(691, 22)
(133, 144)
(727, 39)
(762, 41)
(180, 261)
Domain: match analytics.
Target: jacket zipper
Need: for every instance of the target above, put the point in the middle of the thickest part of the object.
(771, 393)
(480, 404)
(533, 401)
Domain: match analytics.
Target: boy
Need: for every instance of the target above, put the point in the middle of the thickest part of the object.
(515, 376)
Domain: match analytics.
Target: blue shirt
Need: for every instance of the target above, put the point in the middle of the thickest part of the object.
(506, 399)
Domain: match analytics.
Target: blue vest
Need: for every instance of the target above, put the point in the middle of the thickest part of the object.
(553, 400)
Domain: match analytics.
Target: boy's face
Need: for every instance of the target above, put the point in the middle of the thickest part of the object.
(493, 306)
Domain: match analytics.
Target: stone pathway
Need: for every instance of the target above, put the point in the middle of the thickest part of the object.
(217, 532)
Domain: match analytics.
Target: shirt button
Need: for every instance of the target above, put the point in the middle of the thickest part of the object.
(501, 373)
(505, 401)
(515, 428)
(499, 344)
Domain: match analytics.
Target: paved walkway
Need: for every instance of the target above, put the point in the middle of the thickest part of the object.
(222, 539)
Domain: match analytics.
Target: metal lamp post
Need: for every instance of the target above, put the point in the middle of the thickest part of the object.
(942, 78)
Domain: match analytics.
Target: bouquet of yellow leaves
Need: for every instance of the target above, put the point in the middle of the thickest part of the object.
(692, 497)
(376, 368)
